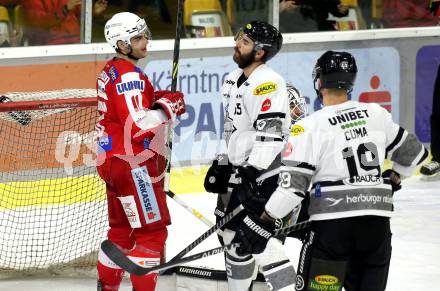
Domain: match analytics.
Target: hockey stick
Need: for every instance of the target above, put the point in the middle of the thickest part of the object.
(210, 231)
(175, 69)
(191, 210)
(119, 258)
(113, 252)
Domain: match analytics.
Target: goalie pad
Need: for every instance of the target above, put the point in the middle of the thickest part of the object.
(189, 278)
(280, 276)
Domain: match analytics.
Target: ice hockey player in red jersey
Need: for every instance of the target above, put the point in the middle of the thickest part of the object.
(130, 144)
(340, 150)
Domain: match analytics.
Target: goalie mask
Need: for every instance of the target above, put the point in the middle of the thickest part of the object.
(335, 70)
(123, 26)
(265, 37)
(297, 103)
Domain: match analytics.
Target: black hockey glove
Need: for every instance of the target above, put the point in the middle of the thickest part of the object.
(394, 178)
(217, 177)
(248, 193)
(252, 234)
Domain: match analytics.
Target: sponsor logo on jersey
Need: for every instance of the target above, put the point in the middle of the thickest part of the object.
(146, 194)
(296, 130)
(265, 88)
(348, 116)
(105, 144)
(130, 209)
(130, 86)
(326, 279)
(325, 282)
(266, 105)
(113, 74)
(333, 201)
(104, 77)
(367, 180)
(367, 198)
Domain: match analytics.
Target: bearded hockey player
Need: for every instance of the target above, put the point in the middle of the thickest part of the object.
(256, 121)
(131, 121)
(340, 150)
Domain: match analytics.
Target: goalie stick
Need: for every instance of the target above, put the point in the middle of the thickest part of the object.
(119, 258)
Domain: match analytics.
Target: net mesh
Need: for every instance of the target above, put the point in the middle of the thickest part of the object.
(52, 203)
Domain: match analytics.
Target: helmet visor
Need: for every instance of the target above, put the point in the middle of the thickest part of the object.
(141, 28)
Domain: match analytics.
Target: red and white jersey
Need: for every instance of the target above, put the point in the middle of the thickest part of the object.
(125, 97)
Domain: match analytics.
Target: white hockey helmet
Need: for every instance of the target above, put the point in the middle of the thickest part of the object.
(123, 26)
(297, 103)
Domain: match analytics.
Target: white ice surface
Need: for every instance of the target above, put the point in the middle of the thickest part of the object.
(415, 263)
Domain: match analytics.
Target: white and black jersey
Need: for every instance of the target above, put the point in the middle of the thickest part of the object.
(256, 116)
(341, 150)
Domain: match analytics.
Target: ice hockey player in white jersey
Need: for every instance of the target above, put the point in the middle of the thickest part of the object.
(256, 121)
(340, 150)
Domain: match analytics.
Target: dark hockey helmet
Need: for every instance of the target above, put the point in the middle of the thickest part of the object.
(264, 35)
(334, 70)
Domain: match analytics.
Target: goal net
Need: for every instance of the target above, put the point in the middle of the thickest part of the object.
(52, 203)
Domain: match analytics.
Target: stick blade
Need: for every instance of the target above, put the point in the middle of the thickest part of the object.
(119, 258)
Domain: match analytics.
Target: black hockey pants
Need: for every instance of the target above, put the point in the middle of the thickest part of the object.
(353, 253)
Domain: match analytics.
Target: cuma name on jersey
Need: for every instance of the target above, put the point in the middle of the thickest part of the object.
(355, 133)
(130, 85)
(348, 116)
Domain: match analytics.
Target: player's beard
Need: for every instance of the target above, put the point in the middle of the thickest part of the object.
(243, 60)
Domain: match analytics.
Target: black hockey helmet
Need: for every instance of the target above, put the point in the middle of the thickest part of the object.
(334, 70)
(264, 35)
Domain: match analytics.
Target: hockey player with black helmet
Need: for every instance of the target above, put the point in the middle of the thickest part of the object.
(257, 118)
(340, 150)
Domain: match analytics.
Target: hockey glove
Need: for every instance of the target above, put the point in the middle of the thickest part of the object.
(248, 193)
(171, 103)
(217, 177)
(253, 234)
(394, 178)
